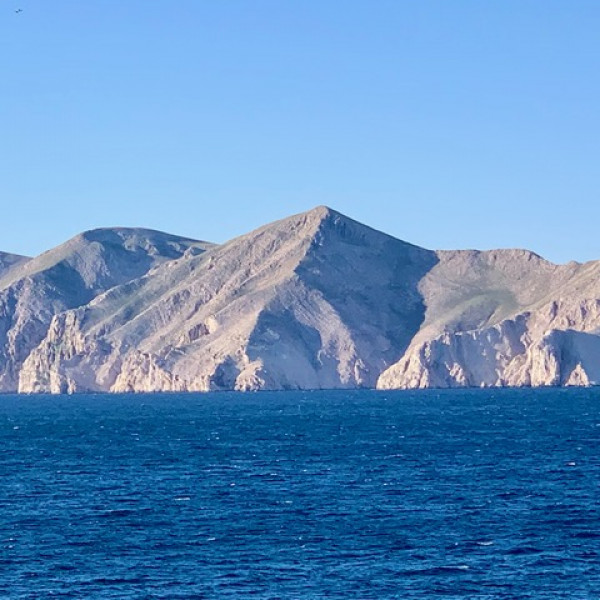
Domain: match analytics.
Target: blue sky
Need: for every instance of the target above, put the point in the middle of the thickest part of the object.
(462, 124)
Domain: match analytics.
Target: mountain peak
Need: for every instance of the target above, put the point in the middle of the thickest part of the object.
(321, 210)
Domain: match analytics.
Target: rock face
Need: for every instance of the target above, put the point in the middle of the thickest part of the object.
(515, 320)
(313, 301)
(33, 291)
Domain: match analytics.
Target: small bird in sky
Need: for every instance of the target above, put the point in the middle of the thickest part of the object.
(19, 10)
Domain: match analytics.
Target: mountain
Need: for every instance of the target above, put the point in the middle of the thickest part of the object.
(33, 290)
(316, 300)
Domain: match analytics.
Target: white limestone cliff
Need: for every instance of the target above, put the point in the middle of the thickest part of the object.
(545, 341)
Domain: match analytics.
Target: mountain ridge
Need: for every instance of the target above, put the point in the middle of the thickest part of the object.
(314, 300)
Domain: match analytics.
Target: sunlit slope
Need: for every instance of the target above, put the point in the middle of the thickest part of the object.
(72, 274)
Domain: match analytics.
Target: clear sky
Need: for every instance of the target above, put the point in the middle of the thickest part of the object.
(450, 124)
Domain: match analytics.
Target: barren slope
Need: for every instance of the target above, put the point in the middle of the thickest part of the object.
(33, 291)
(316, 300)
(497, 326)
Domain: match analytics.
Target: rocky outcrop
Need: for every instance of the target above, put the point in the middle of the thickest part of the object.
(556, 344)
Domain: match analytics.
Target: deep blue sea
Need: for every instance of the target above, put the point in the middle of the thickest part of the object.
(293, 495)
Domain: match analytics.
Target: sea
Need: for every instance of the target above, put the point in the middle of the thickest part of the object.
(478, 494)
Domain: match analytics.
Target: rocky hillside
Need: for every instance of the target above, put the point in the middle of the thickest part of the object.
(313, 301)
(539, 326)
(33, 291)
